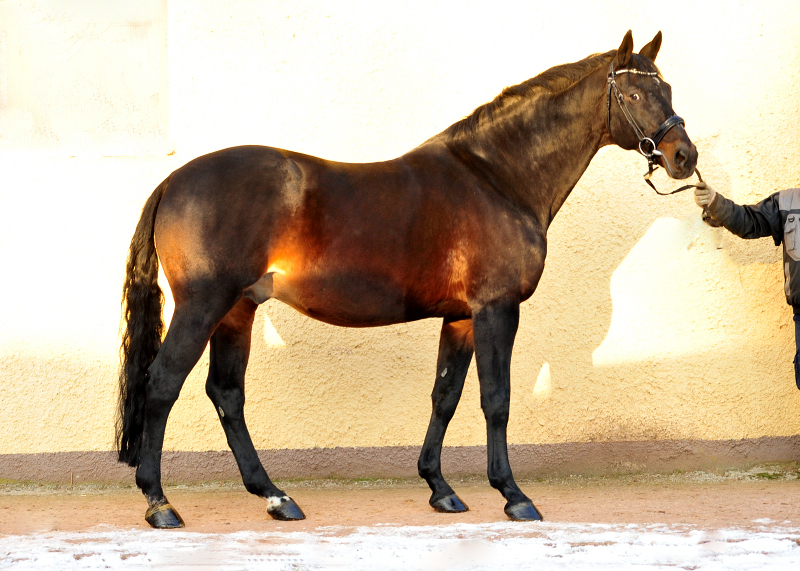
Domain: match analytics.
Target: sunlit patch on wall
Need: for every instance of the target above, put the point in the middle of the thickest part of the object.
(543, 386)
(660, 297)
(271, 335)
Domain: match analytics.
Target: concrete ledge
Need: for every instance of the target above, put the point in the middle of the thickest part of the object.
(533, 460)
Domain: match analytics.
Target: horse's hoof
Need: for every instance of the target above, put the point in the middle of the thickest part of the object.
(523, 511)
(163, 516)
(284, 509)
(451, 504)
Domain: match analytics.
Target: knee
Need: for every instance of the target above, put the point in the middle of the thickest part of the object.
(495, 402)
(229, 402)
(444, 410)
(496, 415)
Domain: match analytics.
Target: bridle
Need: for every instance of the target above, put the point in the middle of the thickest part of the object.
(648, 146)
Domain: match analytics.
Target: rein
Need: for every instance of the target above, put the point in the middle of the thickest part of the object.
(648, 146)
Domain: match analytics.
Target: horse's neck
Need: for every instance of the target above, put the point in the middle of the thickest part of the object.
(539, 148)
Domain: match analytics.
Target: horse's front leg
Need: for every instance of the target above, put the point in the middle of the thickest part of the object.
(230, 351)
(455, 354)
(495, 327)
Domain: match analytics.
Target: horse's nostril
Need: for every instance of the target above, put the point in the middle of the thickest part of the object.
(680, 158)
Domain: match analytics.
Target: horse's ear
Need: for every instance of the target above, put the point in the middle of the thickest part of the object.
(650, 51)
(624, 52)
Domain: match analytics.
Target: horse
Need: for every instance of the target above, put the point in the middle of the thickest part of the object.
(454, 229)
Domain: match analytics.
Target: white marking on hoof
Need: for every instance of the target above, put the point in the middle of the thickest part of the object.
(275, 501)
(444, 372)
(221, 412)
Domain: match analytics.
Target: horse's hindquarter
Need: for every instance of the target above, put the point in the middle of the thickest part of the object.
(215, 220)
(349, 244)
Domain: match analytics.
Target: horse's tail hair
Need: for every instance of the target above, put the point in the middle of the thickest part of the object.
(142, 305)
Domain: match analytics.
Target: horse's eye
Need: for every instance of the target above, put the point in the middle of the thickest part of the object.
(635, 97)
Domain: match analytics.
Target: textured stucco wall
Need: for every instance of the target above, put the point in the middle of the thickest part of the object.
(647, 325)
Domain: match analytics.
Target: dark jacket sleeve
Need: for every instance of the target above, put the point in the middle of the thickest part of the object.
(749, 221)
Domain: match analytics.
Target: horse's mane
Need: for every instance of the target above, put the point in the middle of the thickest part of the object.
(554, 80)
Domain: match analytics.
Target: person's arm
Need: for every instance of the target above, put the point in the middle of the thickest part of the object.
(748, 221)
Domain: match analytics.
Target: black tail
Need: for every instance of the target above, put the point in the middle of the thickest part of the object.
(142, 304)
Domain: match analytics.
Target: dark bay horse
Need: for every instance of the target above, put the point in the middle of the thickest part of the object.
(455, 229)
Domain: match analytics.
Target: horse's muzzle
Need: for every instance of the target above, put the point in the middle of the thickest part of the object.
(679, 157)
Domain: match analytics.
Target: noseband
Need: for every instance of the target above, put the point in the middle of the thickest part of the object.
(648, 146)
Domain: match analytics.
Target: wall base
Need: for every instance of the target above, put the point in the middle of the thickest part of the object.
(532, 460)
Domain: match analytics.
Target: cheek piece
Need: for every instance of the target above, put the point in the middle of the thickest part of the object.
(648, 146)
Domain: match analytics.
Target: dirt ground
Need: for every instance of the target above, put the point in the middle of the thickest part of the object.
(761, 495)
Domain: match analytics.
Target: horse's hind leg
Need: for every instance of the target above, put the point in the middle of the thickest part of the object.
(189, 331)
(230, 350)
(455, 354)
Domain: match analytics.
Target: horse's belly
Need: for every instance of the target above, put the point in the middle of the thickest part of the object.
(345, 298)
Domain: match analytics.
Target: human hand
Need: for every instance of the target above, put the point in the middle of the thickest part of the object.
(704, 194)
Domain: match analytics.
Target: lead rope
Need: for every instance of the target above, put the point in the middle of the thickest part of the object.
(706, 216)
(652, 169)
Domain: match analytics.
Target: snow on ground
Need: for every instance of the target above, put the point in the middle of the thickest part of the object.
(508, 546)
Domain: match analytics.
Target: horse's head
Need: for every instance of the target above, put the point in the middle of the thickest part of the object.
(640, 114)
